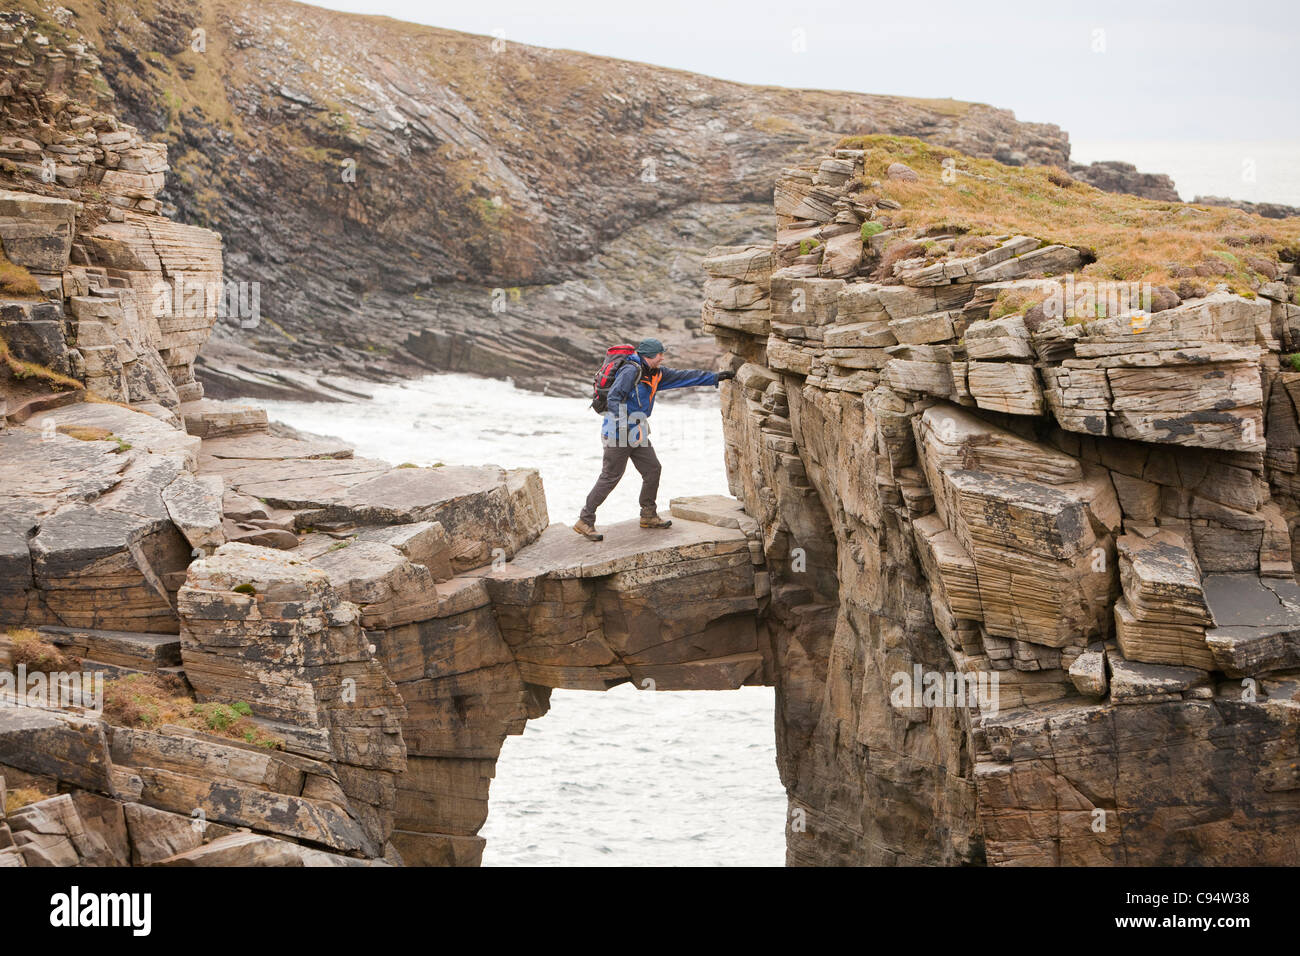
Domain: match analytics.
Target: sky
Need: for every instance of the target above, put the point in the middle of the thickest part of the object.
(1107, 72)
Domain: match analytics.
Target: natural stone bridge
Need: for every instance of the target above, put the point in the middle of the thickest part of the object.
(391, 625)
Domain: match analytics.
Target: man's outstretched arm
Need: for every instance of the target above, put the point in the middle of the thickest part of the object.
(685, 378)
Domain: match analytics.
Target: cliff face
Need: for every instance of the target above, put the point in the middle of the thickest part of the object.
(1016, 545)
(1118, 177)
(1033, 594)
(530, 205)
(223, 647)
(106, 289)
(219, 646)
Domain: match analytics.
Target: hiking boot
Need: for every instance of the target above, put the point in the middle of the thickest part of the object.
(587, 531)
(654, 521)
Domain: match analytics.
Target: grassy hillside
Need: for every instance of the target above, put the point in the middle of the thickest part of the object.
(1128, 239)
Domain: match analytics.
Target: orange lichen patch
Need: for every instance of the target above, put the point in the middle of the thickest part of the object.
(85, 432)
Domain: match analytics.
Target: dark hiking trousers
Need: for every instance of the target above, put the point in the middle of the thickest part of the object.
(612, 466)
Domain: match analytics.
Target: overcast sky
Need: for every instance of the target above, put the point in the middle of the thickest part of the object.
(1108, 71)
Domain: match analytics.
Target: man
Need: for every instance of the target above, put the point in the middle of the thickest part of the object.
(625, 430)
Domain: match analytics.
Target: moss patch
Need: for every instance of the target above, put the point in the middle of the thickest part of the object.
(28, 648)
(85, 432)
(21, 797)
(153, 699)
(15, 280)
(20, 369)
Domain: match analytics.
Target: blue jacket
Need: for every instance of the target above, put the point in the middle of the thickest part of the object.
(632, 401)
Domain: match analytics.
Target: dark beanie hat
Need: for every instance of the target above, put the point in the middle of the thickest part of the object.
(649, 347)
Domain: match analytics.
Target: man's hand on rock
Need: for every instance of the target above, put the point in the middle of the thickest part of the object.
(726, 376)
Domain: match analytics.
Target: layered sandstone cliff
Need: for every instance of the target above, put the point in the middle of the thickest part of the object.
(1015, 551)
(222, 646)
(1033, 593)
(411, 197)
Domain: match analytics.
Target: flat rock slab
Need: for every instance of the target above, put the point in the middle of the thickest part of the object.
(404, 495)
(99, 538)
(1259, 623)
(109, 565)
(423, 542)
(269, 447)
(1134, 681)
(563, 553)
(295, 483)
(194, 505)
(208, 418)
(1247, 600)
(486, 511)
(70, 748)
(720, 511)
(389, 589)
(141, 431)
(46, 466)
(123, 648)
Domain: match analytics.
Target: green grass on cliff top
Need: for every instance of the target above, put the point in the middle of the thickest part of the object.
(1130, 239)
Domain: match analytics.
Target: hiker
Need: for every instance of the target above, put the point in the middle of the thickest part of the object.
(625, 428)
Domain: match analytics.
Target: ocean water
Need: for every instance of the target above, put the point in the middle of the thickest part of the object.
(463, 420)
(1256, 171)
(624, 777)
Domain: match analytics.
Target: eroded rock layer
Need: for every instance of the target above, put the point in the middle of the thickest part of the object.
(562, 198)
(311, 658)
(383, 629)
(1033, 594)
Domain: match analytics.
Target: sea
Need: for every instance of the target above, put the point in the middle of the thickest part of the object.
(624, 777)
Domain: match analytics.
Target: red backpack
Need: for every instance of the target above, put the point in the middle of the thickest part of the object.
(616, 356)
